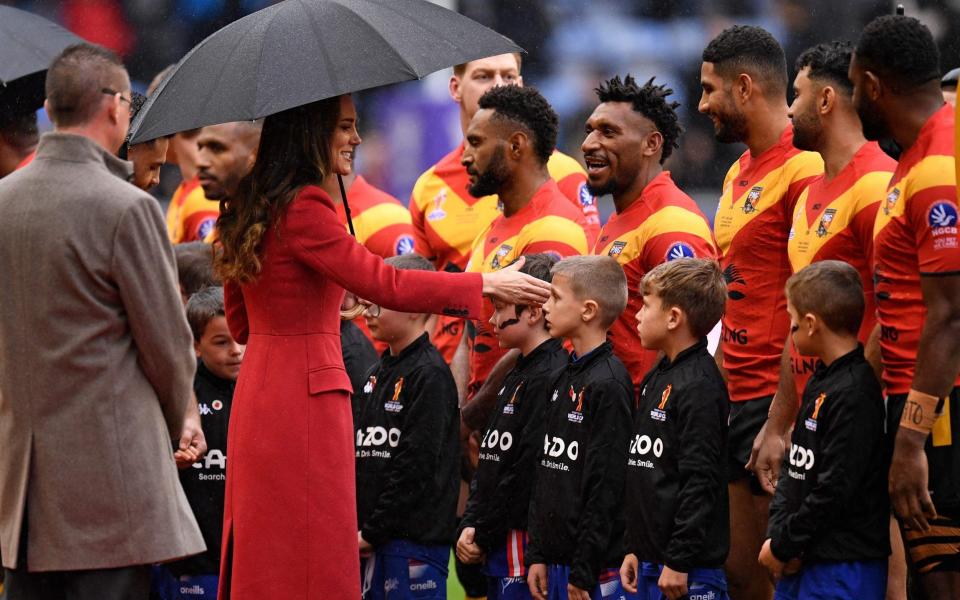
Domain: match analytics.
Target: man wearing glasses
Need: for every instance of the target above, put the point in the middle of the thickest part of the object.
(95, 362)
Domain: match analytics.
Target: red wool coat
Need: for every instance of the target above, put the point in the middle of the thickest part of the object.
(290, 524)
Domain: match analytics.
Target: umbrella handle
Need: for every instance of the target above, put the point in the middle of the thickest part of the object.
(346, 205)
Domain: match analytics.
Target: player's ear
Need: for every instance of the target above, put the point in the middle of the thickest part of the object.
(674, 318)
(516, 144)
(653, 143)
(196, 348)
(872, 86)
(810, 324)
(454, 88)
(826, 99)
(743, 88)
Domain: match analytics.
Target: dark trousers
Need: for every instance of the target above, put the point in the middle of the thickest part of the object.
(124, 583)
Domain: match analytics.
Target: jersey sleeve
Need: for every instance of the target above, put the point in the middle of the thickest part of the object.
(418, 221)
(418, 453)
(556, 235)
(604, 475)
(803, 168)
(688, 236)
(932, 215)
(700, 463)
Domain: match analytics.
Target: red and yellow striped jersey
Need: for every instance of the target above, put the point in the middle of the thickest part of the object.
(834, 221)
(381, 222)
(751, 228)
(447, 220)
(548, 223)
(915, 234)
(190, 216)
(662, 224)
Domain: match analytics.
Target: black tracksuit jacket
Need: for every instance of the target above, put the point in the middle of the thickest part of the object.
(500, 491)
(831, 502)
(576, 514)
(407, 426)
(676, 502)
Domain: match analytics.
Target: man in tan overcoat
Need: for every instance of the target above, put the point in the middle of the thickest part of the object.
(96, 365)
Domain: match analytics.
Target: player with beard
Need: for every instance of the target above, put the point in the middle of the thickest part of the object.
(509, 142)
(227, 153)
(833, 220)
(447, 218)
(744, 80)
(629, 136)
(895, 73)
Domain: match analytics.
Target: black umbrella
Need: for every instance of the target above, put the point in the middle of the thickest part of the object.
(301, 51)
(27, 45)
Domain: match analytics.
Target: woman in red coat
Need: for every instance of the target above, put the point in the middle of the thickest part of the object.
(290, 527)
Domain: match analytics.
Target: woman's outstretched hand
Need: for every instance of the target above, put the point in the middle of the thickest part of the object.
(510, 285)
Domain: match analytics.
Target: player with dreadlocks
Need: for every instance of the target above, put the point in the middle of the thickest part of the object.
(630, 134)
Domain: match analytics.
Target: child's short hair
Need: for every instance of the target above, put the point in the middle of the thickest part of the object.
(410, 262)
(195, 267)
(202, 308)
(597, 278)
(537, 265)
(831, 290)
(694, 285)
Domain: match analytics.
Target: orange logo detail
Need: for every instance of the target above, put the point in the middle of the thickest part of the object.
(817, 405)
(665, 396)
(396, 389)
(515, 392)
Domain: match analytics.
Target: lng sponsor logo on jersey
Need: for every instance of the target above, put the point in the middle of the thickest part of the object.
(368, 387)
(576, 415)
(394, 405)
(586, 198)
(501, 252)
(206, 227)
(753, 198)
(811, 423)
(403, 245)
(825, 221)
(892, 198)
(660, 413)
(942, 218)
(437, 213)
(679, 250)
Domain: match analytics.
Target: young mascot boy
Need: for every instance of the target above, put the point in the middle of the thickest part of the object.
(831, 510)
(218, 366)
(407, 457)
(494, 526)
(678, 532)
(575, 523)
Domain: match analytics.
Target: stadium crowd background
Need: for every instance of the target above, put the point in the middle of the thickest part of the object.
(571, 45)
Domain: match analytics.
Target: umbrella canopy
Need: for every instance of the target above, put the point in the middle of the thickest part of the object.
(27, 45)
(301, 51)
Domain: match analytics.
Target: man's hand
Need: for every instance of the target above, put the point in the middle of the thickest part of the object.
(512, 286)
(193, 444)
(467, 550)
(575, 593)
(537, 581)
(629, 573)
(771, 563)
(365, 548)
(672, 583)
(909, 494)
(766, 458)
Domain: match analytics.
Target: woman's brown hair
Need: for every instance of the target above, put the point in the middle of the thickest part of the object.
(294, 152)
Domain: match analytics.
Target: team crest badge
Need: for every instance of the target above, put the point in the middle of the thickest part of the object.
(811, 423)
(892, 198)
(660, 412)
(576, 415)
(501, 253)
(437, 213)
(753, 198)
(394, 405)
(616, 249)
(825, 221)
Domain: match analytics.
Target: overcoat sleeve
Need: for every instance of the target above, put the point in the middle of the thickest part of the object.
(316, 236)
(145, 273)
